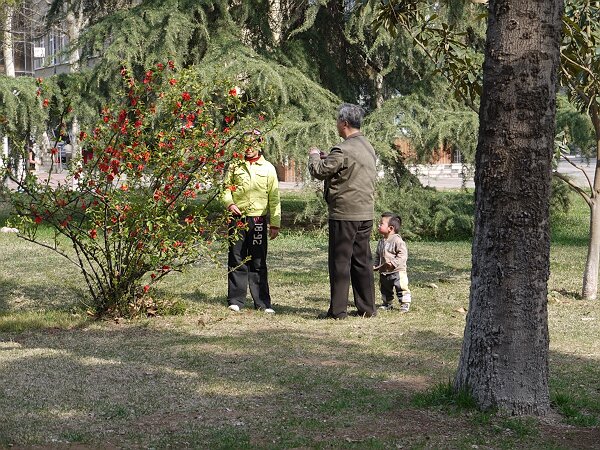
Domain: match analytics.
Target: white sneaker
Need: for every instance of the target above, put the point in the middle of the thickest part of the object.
(270, 311)
(235, 308)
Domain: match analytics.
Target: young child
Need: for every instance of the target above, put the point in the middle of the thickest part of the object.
(390, 262)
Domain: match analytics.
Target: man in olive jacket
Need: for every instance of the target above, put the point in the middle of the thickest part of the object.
(349, 173)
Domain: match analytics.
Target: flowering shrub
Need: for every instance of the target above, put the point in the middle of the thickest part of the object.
(143, 200)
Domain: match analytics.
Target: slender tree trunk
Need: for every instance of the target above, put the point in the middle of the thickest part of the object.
(592, 263)
(75, 20)
(7, 42)
(590, 275)
(379, 99)
(504, 358)
(276, 20)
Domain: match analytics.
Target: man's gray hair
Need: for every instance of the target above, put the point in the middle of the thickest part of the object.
(353, 114)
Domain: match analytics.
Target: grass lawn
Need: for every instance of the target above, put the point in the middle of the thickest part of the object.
(215, 379)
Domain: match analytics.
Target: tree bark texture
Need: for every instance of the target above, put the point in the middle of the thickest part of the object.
(504, 358)
(592, 263)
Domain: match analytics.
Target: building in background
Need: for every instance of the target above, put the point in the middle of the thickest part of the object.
(29, 46)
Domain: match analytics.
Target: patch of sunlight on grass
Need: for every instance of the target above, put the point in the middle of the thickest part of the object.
(18, 322)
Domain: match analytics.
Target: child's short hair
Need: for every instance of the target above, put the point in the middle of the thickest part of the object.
(394, 220)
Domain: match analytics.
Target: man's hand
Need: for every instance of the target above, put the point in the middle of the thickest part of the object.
(234, 209)
(314, 151)
(273, 232)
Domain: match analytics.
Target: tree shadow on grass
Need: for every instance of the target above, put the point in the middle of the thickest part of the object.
(309, 387)
(37, 295)
(422, 270)
(200, 298)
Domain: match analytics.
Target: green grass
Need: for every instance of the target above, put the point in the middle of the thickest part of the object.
(572, 227)
(209, 378)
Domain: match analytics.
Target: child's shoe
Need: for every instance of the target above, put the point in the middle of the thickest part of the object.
(404, 307)
(386, 307)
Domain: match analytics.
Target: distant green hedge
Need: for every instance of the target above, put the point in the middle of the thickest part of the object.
(427, 214)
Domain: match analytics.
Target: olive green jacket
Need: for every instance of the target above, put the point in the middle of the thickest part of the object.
(349, 173)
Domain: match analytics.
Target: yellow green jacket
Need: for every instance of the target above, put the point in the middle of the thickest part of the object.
(254, 188)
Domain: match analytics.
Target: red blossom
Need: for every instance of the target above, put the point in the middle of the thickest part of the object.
(186, 96)
(171, 65)
(38, 219)
(146, 289)
(45, 103)
(93, 233)
(172, 81)
(233, 92)
(148, 77)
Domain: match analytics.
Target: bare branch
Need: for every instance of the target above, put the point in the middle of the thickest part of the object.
(578, 168)
(573, 186)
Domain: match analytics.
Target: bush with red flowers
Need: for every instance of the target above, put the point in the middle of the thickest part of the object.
(143, 200)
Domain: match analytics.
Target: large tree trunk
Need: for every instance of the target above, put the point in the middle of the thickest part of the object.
(590, 275)
(7, 42)
(504, 359)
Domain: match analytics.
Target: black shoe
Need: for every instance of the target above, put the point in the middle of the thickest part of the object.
(326, 315)
(362, 314)
(386, 307)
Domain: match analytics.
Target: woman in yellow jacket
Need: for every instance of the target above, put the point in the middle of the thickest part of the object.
(253, 200)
